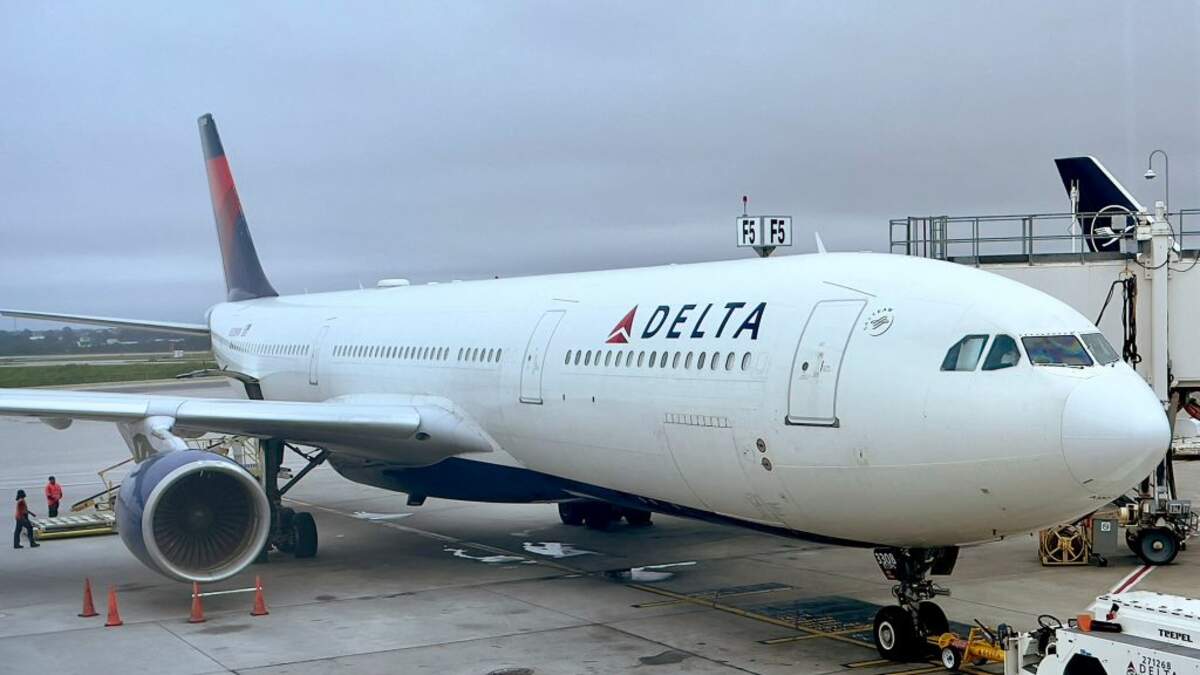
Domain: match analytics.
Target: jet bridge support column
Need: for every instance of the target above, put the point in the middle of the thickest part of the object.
(1160, 250)
(1162, 523)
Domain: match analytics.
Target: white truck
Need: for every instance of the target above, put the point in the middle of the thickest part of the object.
(1136, 633)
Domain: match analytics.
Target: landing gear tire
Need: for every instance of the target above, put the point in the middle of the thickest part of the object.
(598, 516)
(286, 519)
(1157, 546)
(304, 531)
(901, 629)
(637, 517)
(895, 635)
(932, 620)
(570, 513)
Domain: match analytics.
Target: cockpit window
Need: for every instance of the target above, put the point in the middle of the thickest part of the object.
(1100, 348)
(965, 353)
(1056, 350)
(1003, 354)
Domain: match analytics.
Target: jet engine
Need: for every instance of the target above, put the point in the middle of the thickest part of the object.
(193, 515)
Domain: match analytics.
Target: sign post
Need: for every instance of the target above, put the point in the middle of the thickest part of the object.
(764, 233)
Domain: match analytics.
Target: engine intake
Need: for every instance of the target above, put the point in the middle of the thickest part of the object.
(193, 515)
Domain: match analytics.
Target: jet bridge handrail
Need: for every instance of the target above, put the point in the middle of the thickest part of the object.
(1018, 237)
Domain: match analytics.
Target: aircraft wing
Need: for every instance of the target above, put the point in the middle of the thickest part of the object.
(161, 326)
(404, 430)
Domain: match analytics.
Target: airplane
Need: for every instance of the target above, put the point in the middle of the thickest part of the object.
(900, 404)
(1105, 211)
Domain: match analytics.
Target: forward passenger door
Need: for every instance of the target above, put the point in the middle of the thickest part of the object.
(812, 390)
(534, 362)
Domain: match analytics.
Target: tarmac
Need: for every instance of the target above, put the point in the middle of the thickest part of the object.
(454, 587)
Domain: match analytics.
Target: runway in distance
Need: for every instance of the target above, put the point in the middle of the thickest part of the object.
(903, 404)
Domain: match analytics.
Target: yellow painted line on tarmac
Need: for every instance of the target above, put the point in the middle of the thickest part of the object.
(735, 594)
(933, 668)
(655, 603)
(738, 611)
(867, 664)
(797, 638)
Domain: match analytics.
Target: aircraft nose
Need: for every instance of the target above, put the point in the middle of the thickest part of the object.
(1114, 432)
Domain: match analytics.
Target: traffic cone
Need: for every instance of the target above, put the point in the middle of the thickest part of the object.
(89, 608)
(260, 603)
(197, 607)
(114, 614)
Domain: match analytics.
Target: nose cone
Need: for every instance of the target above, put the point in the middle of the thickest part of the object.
(1114, 432)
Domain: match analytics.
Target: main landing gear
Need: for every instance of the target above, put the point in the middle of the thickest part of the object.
(901, 629)
(293, 532)
(600, 515)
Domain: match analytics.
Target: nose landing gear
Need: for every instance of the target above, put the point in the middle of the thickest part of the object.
(901, 629)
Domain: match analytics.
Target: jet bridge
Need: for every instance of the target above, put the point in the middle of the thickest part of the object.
(1136, 277)
(1140, 291)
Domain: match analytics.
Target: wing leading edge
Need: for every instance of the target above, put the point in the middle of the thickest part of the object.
(161, 326)
(411, 431)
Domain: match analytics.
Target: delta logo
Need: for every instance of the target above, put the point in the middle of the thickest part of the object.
(736, 318)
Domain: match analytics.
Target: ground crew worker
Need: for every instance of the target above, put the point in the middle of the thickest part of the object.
(23, 514)
(53, 497)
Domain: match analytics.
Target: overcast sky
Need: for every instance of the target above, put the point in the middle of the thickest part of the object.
(465, 140)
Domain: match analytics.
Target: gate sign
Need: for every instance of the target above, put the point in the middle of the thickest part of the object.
(778, 230)
(750, 231)
(764, 231)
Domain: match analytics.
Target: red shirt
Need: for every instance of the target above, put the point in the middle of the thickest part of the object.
(53, 493)
(22, 510)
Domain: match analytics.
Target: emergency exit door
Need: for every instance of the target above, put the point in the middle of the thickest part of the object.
(535, 356)
(812, 392)
(314, 357)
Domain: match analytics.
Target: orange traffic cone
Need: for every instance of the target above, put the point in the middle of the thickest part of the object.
(197, 607)
(114, 614)
(260, 603)
(89, 608)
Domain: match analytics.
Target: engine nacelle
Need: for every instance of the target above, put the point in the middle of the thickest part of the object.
(193, 515)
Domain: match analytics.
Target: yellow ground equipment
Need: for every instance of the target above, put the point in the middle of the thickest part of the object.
(91, 516)
(1089, 540)
(978, 648)
(1069, 544)
(76, 525)
(106, 499)
(95, 514)
(242, 449)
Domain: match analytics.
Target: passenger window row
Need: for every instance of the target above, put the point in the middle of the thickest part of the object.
(412, 353)
(612, 358)
(263, 349)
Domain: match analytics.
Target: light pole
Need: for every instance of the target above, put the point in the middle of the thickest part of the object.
(1150, 175)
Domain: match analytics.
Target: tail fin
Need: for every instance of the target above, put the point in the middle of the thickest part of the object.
(1097, 187)
(244, 277)
(1099, 192)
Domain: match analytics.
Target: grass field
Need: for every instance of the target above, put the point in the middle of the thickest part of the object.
(90, 357)
(44, 376)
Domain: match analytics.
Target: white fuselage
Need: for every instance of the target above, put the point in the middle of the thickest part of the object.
(827, 412)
